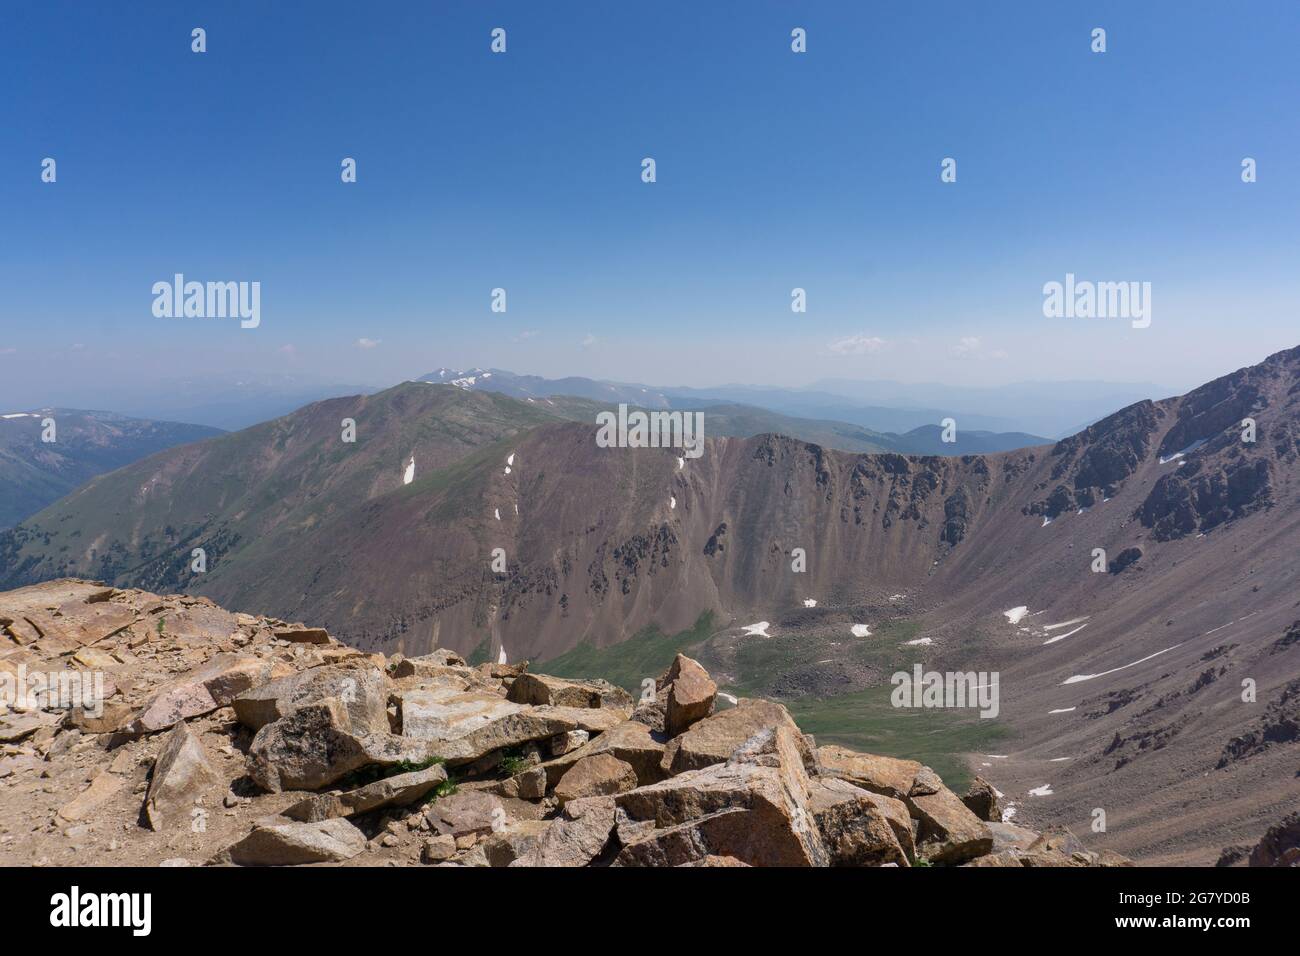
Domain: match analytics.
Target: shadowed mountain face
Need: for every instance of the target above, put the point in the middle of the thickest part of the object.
(1129, 584)
(34, 472)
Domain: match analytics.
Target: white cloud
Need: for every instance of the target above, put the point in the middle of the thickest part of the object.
(589, 341)
(858, 345)
(364, 343)
(527, 334)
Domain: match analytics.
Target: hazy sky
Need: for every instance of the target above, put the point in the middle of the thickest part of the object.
(522, 170)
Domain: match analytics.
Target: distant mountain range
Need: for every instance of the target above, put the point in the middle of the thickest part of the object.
(1053, 409)
(736, 419)
(36, 473)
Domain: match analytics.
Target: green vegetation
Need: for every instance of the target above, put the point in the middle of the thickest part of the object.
(513, 761)
(372, 772)
(647, 654)
(867, 721)
(481, 654)
(760, 663)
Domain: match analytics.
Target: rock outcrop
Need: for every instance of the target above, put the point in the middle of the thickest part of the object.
(255, 742)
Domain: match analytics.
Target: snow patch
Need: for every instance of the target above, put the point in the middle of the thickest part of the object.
(1061, 710)
(1078, 678)
(809, 602)
(1016, 614)
(860, 630)
(1044, 791)
(1061, 637)
(672, 501)
(496, 513)
(922, 641)
(409, 476)
(758, 630)
(1166, 459)
(1073, 620)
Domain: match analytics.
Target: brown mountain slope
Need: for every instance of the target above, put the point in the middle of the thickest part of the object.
(1122, 685)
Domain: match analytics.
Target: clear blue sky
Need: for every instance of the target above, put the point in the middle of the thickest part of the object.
(522, 170)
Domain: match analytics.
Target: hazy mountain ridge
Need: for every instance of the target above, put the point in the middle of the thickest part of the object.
(34, 473)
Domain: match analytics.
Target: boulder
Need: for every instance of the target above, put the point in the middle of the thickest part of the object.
(713, 739)
(567, 742)
(467, 812)
(982, 800)
(629, 741)
(541, 689)
(181, 775)
(599, 775)
(503, 847)
(302, 635)
(201, 691)
(1010, 836)
(575, 838)
(438, 848)
(108, 717)
(315, 746)
(754, 807)
(948, 831)
(690, 695)
(362, 689)
(447, 712)
(887, 776)
(1057, 846)
(434, 664)
(854, 829)
(1001, 858)
(526, 725)
(292, 844)
(399, 790)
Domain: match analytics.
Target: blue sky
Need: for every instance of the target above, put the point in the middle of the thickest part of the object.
(522, 171)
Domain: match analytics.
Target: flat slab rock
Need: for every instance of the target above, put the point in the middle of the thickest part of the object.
(398, 790)
(294, 844)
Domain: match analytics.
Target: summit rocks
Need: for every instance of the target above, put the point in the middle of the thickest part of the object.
(250, 749)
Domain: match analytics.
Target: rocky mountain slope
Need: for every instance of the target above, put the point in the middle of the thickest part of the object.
(35, 473)
(1133, 586)
(230, 739)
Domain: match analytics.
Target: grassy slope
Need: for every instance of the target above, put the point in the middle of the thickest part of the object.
(647, 654)
(865, 720)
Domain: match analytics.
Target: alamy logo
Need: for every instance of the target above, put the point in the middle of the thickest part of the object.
(74, 909)
(209, 300)
(951, 689)
(1098, 300)
(639, 429)
(53, 690)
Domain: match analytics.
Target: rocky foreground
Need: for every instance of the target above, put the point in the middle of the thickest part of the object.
(229, 739)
